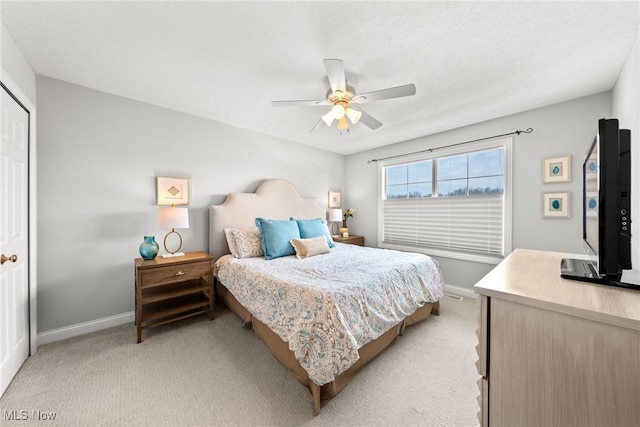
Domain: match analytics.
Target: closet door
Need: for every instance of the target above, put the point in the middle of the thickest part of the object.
(14, 239)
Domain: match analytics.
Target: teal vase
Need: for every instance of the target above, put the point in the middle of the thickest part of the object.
(149, 248)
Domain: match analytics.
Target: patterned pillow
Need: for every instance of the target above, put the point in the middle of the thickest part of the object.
(247, 243)
(230, 242)
(310, 247)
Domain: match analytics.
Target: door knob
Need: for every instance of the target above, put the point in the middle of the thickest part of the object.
(12, 258)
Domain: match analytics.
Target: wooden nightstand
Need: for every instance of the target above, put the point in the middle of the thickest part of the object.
(352, 240)
(171, 289)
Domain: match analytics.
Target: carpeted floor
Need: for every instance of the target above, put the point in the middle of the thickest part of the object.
(199, 373)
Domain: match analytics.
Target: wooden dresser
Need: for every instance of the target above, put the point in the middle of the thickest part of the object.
(556, 352)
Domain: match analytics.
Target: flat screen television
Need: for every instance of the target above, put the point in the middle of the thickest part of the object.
(606, 209)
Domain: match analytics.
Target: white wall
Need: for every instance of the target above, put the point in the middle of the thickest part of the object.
(98, 158)
(626, 108)
(559, 129)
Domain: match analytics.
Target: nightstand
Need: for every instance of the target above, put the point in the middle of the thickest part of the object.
(172, 289)
(352, 240)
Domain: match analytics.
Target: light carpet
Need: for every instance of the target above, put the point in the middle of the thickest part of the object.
(201, 373)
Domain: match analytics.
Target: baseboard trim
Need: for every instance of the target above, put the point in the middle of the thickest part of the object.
(461, 292)
(85, 328)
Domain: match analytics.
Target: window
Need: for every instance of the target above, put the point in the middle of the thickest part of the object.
(452, 203)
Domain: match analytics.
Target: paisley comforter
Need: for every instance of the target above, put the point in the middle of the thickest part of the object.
(328, 306)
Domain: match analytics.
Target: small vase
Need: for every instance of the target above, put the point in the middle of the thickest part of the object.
(149, 248)
(344, 230)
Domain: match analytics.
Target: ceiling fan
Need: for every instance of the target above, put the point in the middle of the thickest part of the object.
(341, 98)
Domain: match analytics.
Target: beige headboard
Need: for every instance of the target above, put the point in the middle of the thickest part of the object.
(273, 199)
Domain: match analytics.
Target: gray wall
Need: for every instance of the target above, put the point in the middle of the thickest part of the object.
(98, 156)
(559, 129)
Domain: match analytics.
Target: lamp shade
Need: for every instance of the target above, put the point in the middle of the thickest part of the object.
(334, 215)
(328, 118)
(173, 218)
(354, 115)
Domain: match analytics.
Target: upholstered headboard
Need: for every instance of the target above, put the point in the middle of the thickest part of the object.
(273, 199)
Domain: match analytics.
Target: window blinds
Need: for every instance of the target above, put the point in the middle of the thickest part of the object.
(471, 224)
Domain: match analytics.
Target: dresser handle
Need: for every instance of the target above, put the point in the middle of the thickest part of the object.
(180, 273)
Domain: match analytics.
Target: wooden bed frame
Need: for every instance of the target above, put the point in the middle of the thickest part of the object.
(279, 199)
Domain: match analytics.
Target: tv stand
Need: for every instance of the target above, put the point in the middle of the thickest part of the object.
(584, 271)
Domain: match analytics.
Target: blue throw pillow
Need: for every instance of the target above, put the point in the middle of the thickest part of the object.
(276, 236)
(313, 228)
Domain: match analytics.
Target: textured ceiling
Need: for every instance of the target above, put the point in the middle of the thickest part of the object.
(226, 61)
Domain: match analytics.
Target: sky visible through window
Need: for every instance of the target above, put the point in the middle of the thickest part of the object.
(468, 174)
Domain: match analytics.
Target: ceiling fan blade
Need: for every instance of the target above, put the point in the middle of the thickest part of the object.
(335, 73)
(367, 120)
(300, 103)
(392, 92)
(319, 125)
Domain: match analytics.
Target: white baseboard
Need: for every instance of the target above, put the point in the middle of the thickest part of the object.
(461, 292)
(85, 328)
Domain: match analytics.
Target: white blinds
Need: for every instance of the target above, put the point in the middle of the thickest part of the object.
(468, 223)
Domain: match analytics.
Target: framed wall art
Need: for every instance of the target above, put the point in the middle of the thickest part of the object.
(172, 191)
(556, 169)
(334, 199)
(555, 205)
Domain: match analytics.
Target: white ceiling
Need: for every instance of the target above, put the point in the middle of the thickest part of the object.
(226, 61)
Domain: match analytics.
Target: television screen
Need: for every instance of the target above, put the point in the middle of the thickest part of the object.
(606, 191)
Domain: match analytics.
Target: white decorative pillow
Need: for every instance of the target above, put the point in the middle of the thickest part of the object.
(230, 242)
(310, 247)
(247, 243)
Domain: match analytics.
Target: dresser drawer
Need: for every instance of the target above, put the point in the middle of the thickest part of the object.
(172, 273)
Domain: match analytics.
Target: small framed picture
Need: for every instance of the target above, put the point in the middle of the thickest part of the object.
(556, 169)
(555, 205)
(334, 199)
(172, 191)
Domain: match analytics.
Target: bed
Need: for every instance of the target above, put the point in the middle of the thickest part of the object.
(322, 316)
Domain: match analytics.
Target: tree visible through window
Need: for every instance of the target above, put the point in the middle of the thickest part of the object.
(467, 174)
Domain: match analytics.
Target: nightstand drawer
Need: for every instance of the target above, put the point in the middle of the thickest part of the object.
(171, 273)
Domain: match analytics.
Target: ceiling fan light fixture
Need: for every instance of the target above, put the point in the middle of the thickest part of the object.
(338, 111)
(354, 115)
(340, 96)
(328, 118)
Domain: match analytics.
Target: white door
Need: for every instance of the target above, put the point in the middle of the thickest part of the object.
(14, 226)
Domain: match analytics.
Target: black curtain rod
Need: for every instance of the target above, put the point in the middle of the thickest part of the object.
(518, 132)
